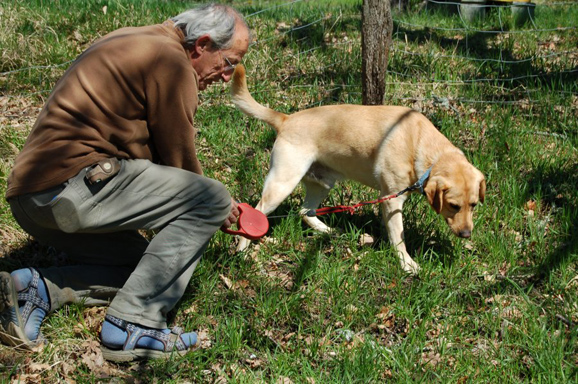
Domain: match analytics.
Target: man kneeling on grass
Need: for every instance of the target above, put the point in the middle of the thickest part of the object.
(112, 152)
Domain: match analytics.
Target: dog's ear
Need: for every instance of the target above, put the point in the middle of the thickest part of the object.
(482, 192)
(434, 194)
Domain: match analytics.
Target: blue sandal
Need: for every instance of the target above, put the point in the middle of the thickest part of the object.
(122, 341)
(19, 306)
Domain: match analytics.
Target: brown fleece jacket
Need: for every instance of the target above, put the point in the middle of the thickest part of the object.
(131, 95)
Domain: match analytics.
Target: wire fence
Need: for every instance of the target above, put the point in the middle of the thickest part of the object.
(563, 64)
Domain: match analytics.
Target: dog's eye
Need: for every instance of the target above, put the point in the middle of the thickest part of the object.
(473, 205)
(455, 207)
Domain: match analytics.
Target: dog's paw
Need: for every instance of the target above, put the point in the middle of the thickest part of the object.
(410, 266)
(315, 223)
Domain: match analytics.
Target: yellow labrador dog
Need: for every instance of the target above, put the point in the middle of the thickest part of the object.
(384, 147)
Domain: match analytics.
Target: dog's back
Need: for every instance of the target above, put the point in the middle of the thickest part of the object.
(365, 124)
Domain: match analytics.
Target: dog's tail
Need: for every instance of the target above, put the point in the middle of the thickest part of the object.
(245, 102)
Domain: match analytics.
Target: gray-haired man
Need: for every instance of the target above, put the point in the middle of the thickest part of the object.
(112, 152)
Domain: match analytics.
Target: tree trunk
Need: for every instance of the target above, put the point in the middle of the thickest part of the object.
(376, 32)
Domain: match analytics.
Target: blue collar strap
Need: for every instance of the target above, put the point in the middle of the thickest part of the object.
(418, 184)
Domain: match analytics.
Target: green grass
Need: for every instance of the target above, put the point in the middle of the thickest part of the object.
(313, 308)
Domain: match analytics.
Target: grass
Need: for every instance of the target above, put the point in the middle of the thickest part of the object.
(304, 307)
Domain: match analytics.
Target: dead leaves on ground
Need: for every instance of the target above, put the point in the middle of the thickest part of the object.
(62, 368)
(62, 359)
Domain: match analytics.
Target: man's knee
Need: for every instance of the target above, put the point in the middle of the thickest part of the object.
(218, 198)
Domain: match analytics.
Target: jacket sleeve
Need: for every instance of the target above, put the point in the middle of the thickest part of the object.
(172, 99)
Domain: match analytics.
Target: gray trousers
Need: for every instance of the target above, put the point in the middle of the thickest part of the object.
(97, 227)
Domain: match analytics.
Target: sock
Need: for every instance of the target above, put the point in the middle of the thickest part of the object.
(22, 279)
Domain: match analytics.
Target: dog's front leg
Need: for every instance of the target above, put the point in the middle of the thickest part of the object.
(393, 220)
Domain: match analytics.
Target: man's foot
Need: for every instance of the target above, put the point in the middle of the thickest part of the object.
(124, 341)
(24, 303)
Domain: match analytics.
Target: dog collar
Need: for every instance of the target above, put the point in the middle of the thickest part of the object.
(419, 184)
(423, 179)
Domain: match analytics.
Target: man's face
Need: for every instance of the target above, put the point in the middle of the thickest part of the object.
(213, 65)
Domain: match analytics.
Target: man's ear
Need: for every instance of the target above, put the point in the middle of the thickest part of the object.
(203, 43)
(434, 194)
(482, 193)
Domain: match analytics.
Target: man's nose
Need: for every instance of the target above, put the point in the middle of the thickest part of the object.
(226, 76)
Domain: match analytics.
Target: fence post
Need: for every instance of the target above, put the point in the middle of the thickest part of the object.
(376, 33)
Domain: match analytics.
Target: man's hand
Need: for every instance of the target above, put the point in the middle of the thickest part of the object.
(233, 215)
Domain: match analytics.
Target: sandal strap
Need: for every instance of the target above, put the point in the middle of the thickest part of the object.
(32, 298)
(170, 340)
(176, 338)
(116, 321)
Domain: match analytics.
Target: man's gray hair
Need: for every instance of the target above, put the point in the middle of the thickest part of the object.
(216, 20)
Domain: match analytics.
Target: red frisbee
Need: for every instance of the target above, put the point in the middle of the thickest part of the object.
(251, 224)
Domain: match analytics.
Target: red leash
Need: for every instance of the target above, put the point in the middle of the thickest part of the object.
(347, 208)
(351, 208)
(253, 224)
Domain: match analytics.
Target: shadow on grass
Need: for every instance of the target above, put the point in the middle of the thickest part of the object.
(31, 254)
(421, 237)
(557, 186)
(506, 68)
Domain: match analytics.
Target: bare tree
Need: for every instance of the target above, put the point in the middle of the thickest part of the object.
(376, 32)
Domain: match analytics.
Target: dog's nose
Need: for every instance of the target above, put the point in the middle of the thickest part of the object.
(465, 233)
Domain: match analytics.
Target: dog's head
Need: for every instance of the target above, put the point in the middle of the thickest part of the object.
(453, 189)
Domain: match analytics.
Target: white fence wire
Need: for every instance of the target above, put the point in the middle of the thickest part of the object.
(402, 27)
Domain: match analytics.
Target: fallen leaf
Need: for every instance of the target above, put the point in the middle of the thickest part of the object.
(431, 359)
(77, 36)
(366, 239)
(92, 356)
(226, 281)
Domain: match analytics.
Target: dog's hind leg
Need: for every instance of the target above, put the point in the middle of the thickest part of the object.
(315, 194)
(393, 220)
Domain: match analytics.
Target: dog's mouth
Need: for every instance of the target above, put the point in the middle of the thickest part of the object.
(464, 233)
(461, 232)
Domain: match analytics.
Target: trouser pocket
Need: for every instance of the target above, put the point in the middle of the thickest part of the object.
(65, 209)
(77, 207)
